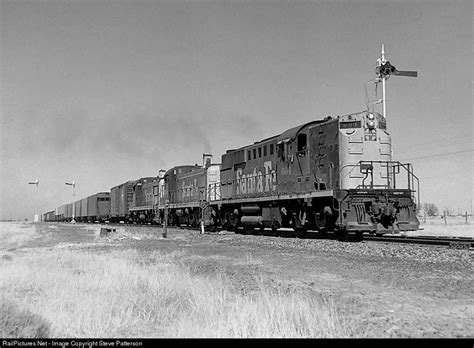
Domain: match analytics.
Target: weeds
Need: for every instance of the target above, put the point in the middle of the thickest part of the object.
(21, 323)
(85, 294)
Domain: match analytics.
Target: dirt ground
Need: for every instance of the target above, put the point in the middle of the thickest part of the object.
(385, 290)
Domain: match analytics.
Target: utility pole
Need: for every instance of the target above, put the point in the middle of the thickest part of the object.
(73, 184)
(36, 182)
(165, 222)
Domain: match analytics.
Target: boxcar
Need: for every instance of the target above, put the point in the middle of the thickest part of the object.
(121, 196)
(121, 199)
(49, 216)
(68, 214)
(98, 207)
(77, 211)
(84, 211)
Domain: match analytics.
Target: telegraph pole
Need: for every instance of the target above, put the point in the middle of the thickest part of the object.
(73, 184)
(165, 222)
(36, 182)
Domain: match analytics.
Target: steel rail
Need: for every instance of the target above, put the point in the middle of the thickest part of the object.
(451, 242)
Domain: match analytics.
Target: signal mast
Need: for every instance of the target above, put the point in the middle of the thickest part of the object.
(384, 70)
(36, 183)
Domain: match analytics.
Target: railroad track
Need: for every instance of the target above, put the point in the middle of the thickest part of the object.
(451, 242)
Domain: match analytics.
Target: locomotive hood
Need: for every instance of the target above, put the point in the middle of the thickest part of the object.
(291, 133)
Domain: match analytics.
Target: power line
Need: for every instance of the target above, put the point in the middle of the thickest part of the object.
(427, 146)
(444, 140)
(438, 155)
(450, 141)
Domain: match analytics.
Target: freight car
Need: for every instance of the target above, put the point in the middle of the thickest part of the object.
(60, 213)
(49, 216)
(69, 211)
(122, 199)
(78, 215)
(98, 207)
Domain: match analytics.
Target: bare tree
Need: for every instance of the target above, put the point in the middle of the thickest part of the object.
(430, 208)
(448, 211)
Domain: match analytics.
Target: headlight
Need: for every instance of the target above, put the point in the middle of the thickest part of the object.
(370, 116)
(371, 124)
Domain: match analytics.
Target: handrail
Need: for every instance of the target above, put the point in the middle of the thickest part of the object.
(412, 179)
(228, 189)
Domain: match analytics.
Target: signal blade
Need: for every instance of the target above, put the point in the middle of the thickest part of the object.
(405, 73)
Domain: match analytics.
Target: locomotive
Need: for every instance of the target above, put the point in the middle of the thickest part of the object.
(333, 174)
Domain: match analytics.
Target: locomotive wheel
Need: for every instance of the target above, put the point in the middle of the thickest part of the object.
(322, 231)
(341, 234)
(234, 222)
(197, 218)
(235, 228)
(302, 232)
(226, 223)
(359, 236)
(275, 226)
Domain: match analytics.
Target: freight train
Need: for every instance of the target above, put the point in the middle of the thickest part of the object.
(333, 174)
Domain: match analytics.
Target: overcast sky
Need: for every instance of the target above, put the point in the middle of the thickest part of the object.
(102, 92)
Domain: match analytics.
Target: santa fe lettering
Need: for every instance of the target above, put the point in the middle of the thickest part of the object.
(256, 182)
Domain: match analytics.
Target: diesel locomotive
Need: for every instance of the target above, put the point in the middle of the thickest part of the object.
(333, 174)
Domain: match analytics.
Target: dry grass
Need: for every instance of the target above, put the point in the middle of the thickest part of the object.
(119, 294)
(13, 235)
(18, 323)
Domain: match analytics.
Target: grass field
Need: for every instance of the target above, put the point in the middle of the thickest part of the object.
(455, 226)
(78, 290)
(81, 292)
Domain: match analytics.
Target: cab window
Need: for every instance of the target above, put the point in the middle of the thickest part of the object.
(302, 144)
(281, 151)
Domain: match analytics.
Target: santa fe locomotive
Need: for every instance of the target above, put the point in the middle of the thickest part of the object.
(333, 174)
